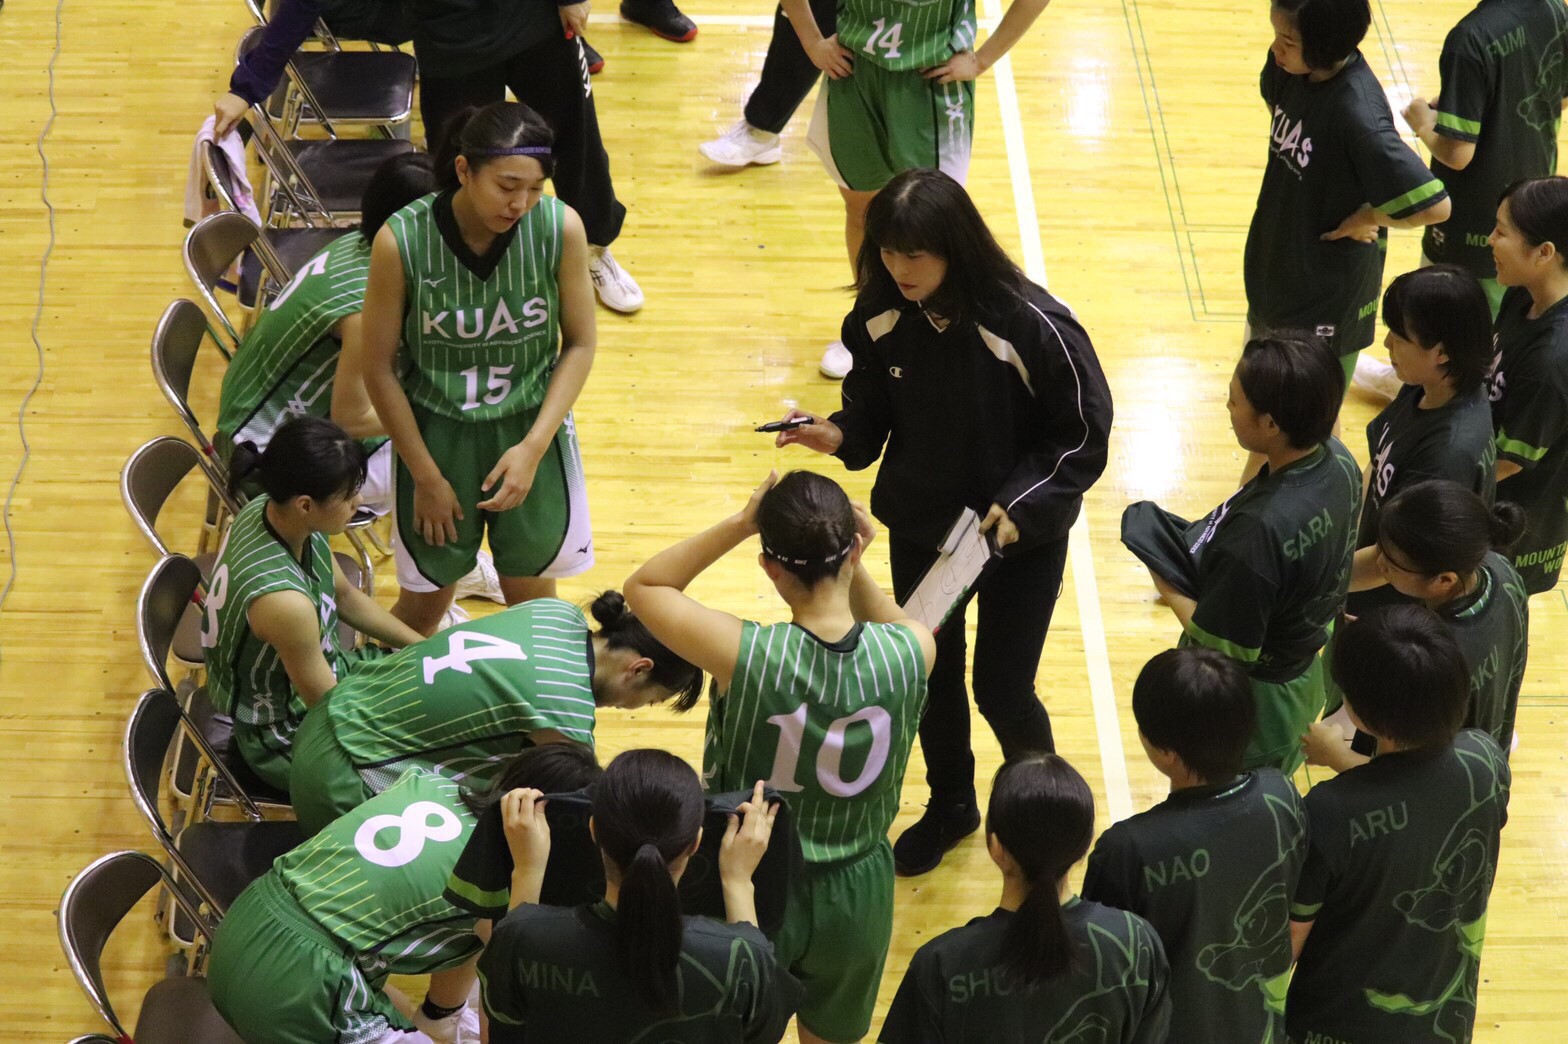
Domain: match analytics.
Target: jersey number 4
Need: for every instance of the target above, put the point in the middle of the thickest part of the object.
(887, 37)
(830, 756)
(464, 647)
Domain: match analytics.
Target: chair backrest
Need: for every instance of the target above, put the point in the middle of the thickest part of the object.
(214, 247)
(151, 475)
(219, 174)
(273, 151)
(95, 902)
(175, 345)
(172, 585)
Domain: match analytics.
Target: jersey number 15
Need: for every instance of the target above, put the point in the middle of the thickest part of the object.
(830, 756)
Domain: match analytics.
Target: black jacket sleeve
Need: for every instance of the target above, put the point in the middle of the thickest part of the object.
(1073, 410)
(867, 414)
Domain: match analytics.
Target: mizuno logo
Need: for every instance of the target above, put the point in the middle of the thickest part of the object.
(433, 283)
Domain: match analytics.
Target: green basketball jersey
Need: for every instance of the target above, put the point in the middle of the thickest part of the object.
(827, 724)
(480, 334)
(461, 702)
(373, 879)
(286, 363)
(245, 676)
(906, 34)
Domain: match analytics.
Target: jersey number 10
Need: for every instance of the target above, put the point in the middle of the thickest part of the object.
(830, 756)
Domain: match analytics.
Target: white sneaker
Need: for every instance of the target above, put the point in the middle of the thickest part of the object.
(742, 145)
(616, 289)
(836, 361)
(481, 582)
(1376, 377)
(455, 615)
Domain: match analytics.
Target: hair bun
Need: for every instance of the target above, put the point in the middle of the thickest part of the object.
(609, 610)
(1508, 524)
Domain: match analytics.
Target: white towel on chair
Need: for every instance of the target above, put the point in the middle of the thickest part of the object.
(199, 200)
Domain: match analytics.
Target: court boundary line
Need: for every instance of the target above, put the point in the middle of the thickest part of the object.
(1080, 551)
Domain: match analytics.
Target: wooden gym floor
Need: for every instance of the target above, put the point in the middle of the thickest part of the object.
(1131, 129)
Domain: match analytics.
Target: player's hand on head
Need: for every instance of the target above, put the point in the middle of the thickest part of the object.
(574, 18)
(865, 528)
(1360, 226)
(226, 113)
(510, 480)
(527, 830)
(436, 512)
(1006, 531)
(746, 837)
(962, 66)
(748, 514)
(832, 58)
(821, 434)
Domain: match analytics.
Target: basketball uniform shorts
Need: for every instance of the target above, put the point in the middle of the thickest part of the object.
(547, 535)
(278, 977)
(835, 938)
(1285, 711)
(324, 783)
(876, 123)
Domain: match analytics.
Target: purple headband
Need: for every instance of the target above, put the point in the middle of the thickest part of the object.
(516, 150)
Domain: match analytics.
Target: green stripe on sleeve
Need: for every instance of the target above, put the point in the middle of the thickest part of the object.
(478, 896)
(1457, 126)
(1218, 644)
(1516, 448)
(1304, 911)
(1415, 200)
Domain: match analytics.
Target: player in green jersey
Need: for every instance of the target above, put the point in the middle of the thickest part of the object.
(464, 701)
(1389, 919)
(1262, 577)
(824, 707)
(269, 628)
(1045, 967)
(1530, 372)
(303, 955)
(1438, 544)
(1439, 426)
(1213, 866)
(631, 967)
(900, 96)
(486, 288)
(288, 362)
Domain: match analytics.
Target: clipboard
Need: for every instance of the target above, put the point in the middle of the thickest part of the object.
(961, 559)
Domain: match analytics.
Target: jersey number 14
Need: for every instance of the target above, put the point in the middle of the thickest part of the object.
(887, 37)
(830, 756)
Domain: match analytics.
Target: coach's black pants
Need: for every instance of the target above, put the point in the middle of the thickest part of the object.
(1016, 594)
(787, 74)
(551, 78)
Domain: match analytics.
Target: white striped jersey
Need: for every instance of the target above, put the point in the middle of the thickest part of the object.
(906, 34)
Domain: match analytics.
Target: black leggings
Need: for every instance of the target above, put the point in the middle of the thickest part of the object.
(1017, 594)
(787, 74)
(551, 78)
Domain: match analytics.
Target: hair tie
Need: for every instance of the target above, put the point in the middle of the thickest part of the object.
(512, 150)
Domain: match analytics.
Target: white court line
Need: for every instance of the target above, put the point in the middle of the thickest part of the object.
(1091, 622)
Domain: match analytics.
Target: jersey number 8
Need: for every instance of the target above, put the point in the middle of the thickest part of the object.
(830, 756)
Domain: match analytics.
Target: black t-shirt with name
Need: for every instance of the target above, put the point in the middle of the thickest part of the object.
(1504, 71)
(1399, 869)
(553, 973)
(1333, 149)
(1492, 626)
(1530, 413)
(1409, 445)
(1213, 869)
(958, 991)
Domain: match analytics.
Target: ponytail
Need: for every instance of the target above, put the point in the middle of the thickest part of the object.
(647, 815)
(307, 457)
(621, 629)
(1439, 526)
(1042, 813)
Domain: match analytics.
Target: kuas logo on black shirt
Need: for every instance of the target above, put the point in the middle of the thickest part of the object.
(1289, 142)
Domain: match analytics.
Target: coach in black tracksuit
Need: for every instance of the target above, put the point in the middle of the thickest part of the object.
(988, 395)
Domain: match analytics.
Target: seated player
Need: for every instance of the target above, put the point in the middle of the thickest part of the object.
(270, 623)
(463, 702)
(1261, 577)
(1045, 965)
(1214, 865)
(303, 955)
(1440, 545)
(632, 967)
(842, 683)
(1390, 915)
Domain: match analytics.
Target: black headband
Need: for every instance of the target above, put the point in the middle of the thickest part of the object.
(829, 560)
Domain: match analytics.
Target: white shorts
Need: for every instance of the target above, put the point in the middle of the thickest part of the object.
(375, 496)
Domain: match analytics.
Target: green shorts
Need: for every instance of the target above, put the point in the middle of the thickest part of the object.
(278, 977)
(269, 749)
(324, 784)
(834, 939)
(547, 535)
(875, 123)
(1285, 710)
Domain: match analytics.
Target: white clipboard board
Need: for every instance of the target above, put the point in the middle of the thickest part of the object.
(963, 555)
